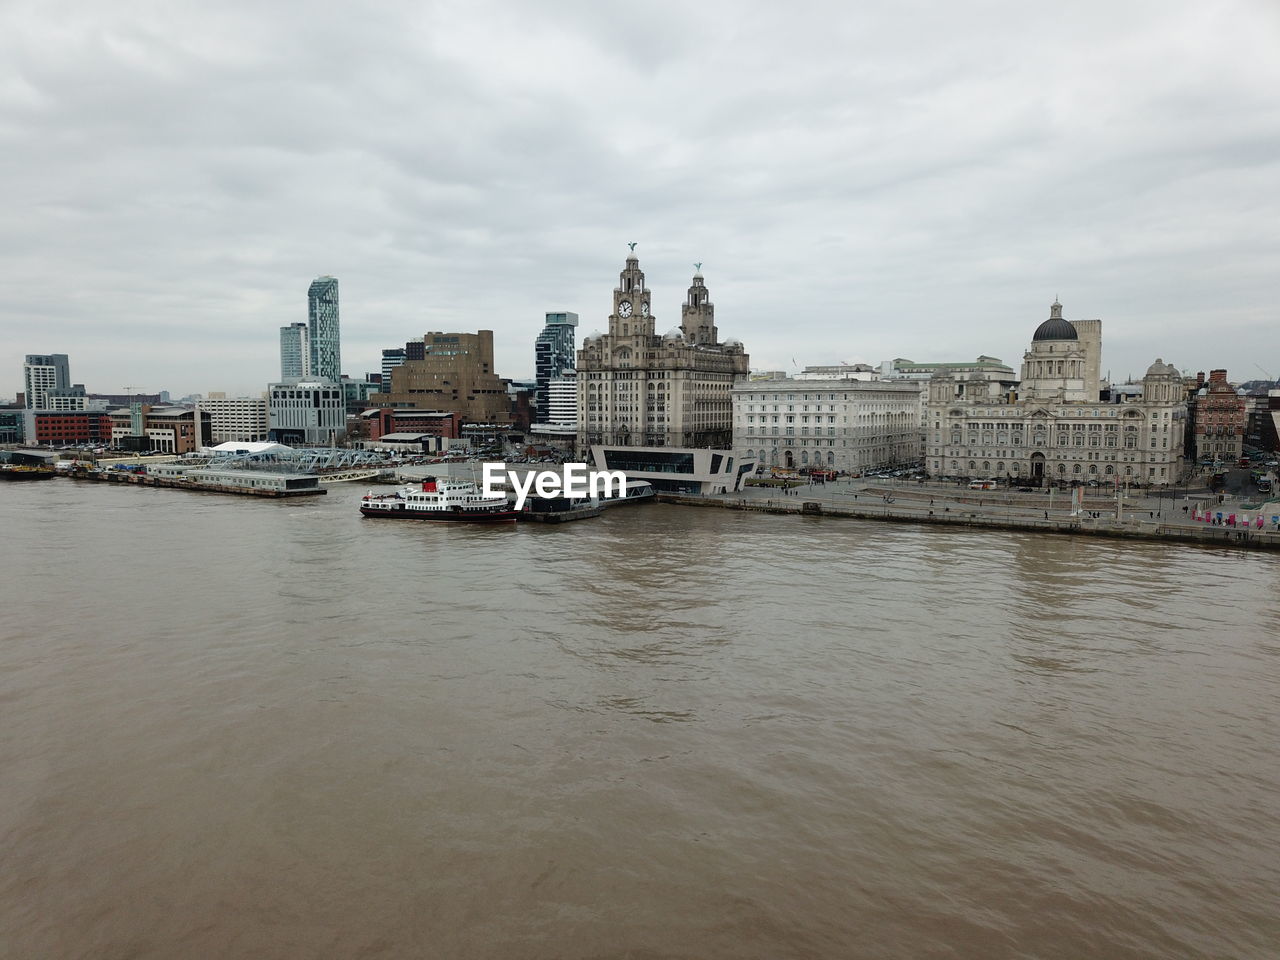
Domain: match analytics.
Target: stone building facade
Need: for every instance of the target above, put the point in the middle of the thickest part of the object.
(1220, 419)
(639, 389)
(1057, 427)
(452, 372)
(846, 425)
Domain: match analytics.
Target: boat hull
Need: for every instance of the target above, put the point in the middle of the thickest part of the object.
(442, 516)
(19, 474)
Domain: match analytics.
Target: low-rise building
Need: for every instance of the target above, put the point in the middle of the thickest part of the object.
(236, 418)
(165, 429)
(841, 371)
(60, 428)
(11, 426)
(675, 469)
(306, 412)
(445, 424)
(846, 425)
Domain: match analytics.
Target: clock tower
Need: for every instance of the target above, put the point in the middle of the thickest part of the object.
(631, 315)
(698, 313)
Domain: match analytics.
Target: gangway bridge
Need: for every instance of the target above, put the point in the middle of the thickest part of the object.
(330, 464)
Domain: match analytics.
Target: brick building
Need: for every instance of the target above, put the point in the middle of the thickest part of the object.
(1219, 420)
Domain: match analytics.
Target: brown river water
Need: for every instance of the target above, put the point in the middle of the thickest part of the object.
(261, 729)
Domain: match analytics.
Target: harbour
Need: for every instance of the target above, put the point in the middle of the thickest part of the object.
(618, 740)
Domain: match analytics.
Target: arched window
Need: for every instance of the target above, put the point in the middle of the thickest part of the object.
(972, 465)
(1076, 471)
(751, 454)
(1093, 469)
(1062, 468)
(831, 458)
(804, 456)
(1110, 470)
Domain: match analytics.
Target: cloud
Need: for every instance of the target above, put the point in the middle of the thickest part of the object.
(860, 182)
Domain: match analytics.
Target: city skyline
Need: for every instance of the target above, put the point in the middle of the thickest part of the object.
(867, 190)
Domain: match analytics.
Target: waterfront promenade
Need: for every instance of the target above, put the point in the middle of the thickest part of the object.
(1135, 516)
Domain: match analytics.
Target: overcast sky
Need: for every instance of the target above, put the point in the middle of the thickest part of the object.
(861, 180)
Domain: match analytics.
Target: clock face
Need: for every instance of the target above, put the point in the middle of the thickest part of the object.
(644, 308)
(624, 308)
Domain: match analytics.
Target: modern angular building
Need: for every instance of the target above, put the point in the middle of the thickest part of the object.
(306, 412)
(323, 330)
(42, 373)
(295, 352)
(554, 357)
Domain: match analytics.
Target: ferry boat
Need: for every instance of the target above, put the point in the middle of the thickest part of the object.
(441, 500)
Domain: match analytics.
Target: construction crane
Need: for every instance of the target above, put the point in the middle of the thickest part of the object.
(1269, 376)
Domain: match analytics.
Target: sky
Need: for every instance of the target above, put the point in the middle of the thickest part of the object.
(861, 181)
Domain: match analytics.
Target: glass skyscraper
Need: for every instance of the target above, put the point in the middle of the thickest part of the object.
(554, 356)
(295, 352)
(322, 321)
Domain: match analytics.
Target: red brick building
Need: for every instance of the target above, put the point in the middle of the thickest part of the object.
(1220, 420)
(60, 428)
(437, 423)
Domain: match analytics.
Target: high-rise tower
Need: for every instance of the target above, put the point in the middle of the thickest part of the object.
(554, 356)
(295, 352)
(42, 373)
(322, 322)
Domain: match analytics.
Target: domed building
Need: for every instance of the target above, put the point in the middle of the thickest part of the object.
(1056, 425)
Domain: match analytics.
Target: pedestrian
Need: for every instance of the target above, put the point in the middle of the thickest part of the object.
(1046, 514)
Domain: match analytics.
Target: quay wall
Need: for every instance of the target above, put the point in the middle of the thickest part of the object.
(1205, 534)
(142, 480)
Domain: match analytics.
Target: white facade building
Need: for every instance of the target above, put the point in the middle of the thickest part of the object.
(563, 405)
(310, 411)
(42, 373)
(237, 418)
(1057, 428)
(847, 425)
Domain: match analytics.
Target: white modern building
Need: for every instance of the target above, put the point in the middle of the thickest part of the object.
(846, 425)
(1056, 428)
(236, 418)
(310, 411)
(676, 470)
(558, 424)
